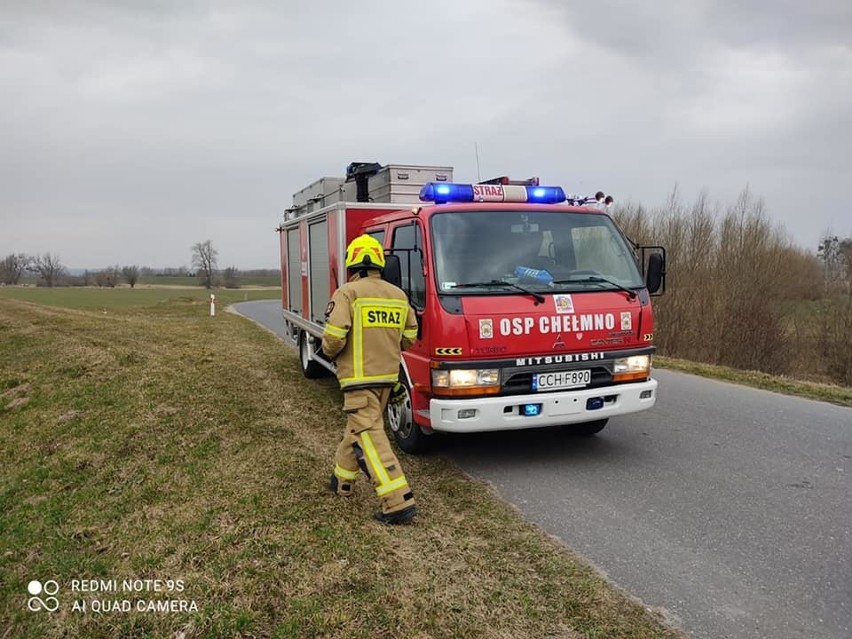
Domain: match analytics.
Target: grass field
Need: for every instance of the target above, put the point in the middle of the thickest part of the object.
(142, 439)
(245, 279)
(110, 299)
(186, 280)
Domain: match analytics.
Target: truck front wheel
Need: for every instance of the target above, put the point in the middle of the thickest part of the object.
(310, 368)
(400, 418)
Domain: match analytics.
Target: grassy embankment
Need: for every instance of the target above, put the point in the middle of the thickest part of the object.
(142, 439)
(841, 395)
(123, 298)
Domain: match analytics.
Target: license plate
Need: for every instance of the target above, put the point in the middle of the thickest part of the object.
(561, 379)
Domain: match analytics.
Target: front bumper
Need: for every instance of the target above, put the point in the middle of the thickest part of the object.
(562, 407)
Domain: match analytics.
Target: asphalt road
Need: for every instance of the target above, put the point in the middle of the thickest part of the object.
(727, 507)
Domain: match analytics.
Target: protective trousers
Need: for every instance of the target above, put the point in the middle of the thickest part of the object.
(365, 445)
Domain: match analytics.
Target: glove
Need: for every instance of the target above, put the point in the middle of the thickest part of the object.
(397, 395)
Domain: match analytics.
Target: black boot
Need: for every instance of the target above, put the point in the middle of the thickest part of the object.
(403, 516)
(345, 487)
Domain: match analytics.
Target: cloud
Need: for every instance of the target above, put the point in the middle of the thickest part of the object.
(132, 130)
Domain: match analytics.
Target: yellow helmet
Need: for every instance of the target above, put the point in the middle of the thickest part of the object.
(365, 251)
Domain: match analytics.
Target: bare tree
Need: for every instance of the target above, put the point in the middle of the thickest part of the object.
(131, 274)
(49, 268)
(13, 266)
(204, 259)
(836, 256)
(109, 276)
(231, 277)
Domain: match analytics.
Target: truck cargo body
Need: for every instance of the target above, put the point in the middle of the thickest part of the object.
(495, 350)
(313, 247)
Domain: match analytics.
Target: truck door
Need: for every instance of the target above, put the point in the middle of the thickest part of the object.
(407, 243)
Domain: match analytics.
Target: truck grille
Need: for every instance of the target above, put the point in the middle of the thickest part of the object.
(519, 381)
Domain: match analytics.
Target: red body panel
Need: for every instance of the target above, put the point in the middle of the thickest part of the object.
(335, 253)
(303, 261)
(510, 326)
(282, 241)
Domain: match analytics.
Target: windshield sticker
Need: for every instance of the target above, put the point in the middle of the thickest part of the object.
(555, 324)
(564, 303)
(626, 321)
(486, 329)
(447, 286)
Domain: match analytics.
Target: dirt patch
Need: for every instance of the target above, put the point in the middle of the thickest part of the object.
(20, 389)
(17, 403)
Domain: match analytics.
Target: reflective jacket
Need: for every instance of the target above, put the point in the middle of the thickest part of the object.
(368, 324)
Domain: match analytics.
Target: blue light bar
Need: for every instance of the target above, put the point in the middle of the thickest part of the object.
(443, 192)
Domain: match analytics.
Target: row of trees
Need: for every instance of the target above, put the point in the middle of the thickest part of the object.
(741, 294)
(109, 277)
(15, 265)
(49, 271)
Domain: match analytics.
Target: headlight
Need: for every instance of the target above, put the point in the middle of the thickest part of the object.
(459, 381)
(631, 368)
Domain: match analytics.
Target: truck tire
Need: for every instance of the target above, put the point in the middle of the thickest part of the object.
(405, 430)
(310, 368)
(588, 429)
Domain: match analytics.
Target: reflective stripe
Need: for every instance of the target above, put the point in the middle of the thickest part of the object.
(357, 346)
(334, 331)
(386, 484)
(385, 379)
(410, 334)
(396, 484)
(382, 301)
(358, 332)
(375, 460)
(341, 472)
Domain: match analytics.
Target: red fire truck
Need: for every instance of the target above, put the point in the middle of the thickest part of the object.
(533, 307)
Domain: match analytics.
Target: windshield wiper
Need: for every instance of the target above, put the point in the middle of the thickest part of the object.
(597, 279)
(538, 297)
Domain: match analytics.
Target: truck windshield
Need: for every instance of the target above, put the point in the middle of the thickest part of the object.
(576, 252)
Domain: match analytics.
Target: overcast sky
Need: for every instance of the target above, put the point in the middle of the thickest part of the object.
(130, 130)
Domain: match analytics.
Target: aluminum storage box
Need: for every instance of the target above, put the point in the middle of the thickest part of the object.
(321, 193)
(402, 182)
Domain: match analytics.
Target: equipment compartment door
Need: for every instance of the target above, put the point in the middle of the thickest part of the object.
(319, 269)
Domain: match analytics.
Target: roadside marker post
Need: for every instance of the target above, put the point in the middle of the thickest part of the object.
(212, 305)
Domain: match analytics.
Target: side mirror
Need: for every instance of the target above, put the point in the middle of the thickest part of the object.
(393, 271)
(656, 275)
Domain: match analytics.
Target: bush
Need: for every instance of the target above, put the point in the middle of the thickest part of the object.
(732, 277)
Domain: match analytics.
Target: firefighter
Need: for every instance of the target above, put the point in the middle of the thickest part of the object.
(368, 324)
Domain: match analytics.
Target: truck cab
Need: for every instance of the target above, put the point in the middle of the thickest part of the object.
(531, 314)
